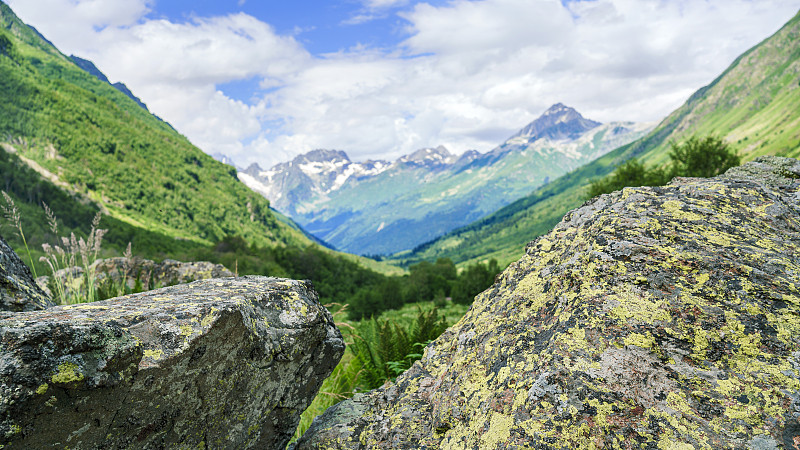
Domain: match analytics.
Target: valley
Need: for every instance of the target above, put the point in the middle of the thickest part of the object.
(413, 266)
(382, 207)
(752, 106)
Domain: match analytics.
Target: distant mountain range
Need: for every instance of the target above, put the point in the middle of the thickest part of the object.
(382, 207)
(754, 105)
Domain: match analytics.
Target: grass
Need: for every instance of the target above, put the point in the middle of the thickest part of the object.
(11, 214)
(357, 372)
(64, 257)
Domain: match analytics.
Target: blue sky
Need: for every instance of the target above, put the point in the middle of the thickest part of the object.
(263, 81)
(322, 27)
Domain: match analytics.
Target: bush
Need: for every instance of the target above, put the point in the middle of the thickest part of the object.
(474, 280)
(707, 157)
(630, 173)
(695, 157)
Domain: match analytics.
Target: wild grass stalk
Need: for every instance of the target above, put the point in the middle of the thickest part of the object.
(88, 250)
(68, 282)
(11, 214)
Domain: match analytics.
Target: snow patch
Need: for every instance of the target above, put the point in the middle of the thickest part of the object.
(257, 186)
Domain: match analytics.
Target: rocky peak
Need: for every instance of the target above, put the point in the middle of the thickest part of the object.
(468, 156)
(322, 155)
(428, 156)
(559, 122)
(253, 169)
(90, 68)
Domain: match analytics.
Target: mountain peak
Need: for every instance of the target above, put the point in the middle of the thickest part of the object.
(438, 155)
(322, 155)
(559, 122)
(253, 169)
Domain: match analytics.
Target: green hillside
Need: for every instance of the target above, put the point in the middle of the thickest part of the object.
(95, 142)
(753, 105)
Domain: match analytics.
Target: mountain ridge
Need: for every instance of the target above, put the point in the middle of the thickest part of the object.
(90, 67)
(378, 207)
(752, 104)
(100, 145)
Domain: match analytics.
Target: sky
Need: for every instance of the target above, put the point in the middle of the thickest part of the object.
(263, 81)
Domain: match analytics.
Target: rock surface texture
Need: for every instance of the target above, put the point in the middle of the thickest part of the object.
(148, 273)
(664, 317)
(224, 363)
(18, 291)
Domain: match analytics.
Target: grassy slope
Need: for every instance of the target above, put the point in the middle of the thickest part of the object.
(104, 147)
(105, 152)
(753, 105)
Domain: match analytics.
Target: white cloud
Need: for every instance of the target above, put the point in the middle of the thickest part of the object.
(72, 24)
(469, 75)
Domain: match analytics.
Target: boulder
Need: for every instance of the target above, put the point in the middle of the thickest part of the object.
(652, 317)
(166, 273)
(110, 272)
(18, 291)
(222, 363)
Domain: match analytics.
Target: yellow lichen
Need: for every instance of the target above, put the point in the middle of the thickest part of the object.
(67, 373)
(638, 308)
(155, 354)
(676, 401)
(499, 430)
(640, 340)
(674, 208)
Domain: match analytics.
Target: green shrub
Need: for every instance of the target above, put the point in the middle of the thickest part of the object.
(695, 157)
(707, 157)
(630, 173)
(474, 280)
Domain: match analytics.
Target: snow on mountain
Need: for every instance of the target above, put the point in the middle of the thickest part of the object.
(380, 207)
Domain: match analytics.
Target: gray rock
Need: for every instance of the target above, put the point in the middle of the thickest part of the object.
(651, 317)
(222, 363)
(18, 291)
(111, 273)
(166, 273)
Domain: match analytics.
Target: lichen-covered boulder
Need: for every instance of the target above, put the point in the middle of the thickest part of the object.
(166, 273)
(18, 291)
(665, 317)
(223, 363)
(147, 273)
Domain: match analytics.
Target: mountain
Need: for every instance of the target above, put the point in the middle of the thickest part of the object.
(380, 207)
(78, 132)
(557, 123)
(753, 105)
(89, 67)
(224, 159)
(316, 173)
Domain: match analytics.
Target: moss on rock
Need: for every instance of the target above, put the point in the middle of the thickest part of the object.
(665, 317)
(221, 363)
